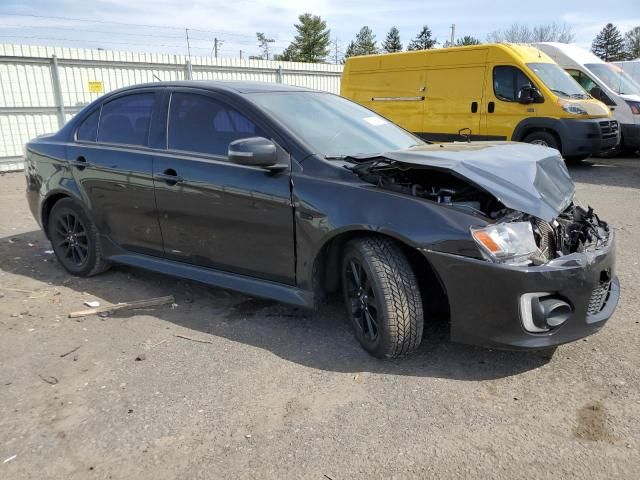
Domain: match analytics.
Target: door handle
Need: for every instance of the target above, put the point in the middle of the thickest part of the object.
(80, 162)
(169, 176)
(474, 107)
(491, 107)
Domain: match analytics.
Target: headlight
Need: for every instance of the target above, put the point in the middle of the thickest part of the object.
(512, 243)
(634, 106)
(574, 108)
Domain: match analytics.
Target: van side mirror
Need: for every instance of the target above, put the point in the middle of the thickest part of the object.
(253, 152)
(596, 92)
(528, 94)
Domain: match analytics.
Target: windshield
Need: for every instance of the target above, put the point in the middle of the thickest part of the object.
(614, 78)
(334, 126)
(557, 80)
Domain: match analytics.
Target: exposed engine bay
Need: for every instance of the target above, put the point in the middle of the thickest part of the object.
(575, 229)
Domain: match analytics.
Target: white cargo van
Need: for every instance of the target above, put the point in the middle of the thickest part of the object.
(604, 81)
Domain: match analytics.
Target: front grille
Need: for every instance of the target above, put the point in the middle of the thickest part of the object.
(599, 298)
(609, 128)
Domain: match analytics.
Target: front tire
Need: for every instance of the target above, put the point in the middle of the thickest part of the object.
(75, 240)
(543, 138)
(382, 297)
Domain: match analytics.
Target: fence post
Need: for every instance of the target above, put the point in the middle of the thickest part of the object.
(57, 91)
(188, 71)
(279, 74)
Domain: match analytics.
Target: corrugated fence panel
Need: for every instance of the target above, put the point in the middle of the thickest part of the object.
(28, 100)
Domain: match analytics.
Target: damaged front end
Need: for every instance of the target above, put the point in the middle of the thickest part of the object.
(543, 270)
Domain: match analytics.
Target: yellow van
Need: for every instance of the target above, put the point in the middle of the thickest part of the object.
(484, 92)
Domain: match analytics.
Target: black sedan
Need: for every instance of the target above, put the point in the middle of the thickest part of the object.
(293, 194)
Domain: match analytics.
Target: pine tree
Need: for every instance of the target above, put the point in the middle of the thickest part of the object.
(609, 44)
(632, 43)
(264, 42)
(392, 42)
(311, 44)
(364, 44)
(467, 40)
(424, 40)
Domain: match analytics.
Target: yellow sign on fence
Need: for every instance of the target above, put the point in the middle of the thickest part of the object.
(96, 87)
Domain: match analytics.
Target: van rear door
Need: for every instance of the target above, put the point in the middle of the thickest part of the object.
(454, 97)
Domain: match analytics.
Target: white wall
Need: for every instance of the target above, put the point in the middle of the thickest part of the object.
(28, 104)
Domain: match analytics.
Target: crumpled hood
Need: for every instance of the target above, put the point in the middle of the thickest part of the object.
(530, 178)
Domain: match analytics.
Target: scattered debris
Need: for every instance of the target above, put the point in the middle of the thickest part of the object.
(70, 351)
(141, 357)
(51, 380)
(92, 303)
(7, 460)
(48, 252)
(19, 290)
(193, 339)
(152, 302)
(158, 344)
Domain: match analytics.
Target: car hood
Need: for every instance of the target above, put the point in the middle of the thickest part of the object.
(530, 178)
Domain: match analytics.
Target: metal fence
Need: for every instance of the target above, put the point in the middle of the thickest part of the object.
(43, 87)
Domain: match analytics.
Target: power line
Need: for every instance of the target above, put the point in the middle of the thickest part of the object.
(110, 22)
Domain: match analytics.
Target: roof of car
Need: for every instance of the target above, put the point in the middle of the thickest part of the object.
(234, 86)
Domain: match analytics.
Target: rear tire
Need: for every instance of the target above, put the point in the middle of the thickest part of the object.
(75, 239)
(543, 138)
(382, 297)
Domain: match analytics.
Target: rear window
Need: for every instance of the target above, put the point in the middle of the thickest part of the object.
(198, 123)
(126, 120)
(88, 129)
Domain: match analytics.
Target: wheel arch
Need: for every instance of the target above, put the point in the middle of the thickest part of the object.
(538, 124)
(50, 200)
(325, 273)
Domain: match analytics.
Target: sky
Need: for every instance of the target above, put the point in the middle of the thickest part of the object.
(159, 25)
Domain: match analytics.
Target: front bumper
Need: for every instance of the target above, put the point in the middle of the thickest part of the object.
(484, 297)
(630, 135)
(588, 136)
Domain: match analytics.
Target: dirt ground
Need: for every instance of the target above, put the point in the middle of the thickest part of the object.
(271, 391)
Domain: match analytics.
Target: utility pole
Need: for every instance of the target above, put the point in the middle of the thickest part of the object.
(216, 44)
(188, 44)
(453, 34)
(240, 54)
(335, 56)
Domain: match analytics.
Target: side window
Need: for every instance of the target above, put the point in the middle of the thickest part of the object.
(507, 82)
(88, 129)
(126, 119)
(584, 81)
(198, 123)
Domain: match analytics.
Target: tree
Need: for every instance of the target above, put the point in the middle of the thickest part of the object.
(546, 32)
(467, 40)
(632, 43)
(424, 40)
(311, 44)
(264, 42)
(392, 41)
(364, 44)
(609, 44)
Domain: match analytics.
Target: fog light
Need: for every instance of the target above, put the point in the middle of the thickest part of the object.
(540, 312)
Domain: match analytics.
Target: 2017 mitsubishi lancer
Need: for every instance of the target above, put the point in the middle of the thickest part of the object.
(292, 194)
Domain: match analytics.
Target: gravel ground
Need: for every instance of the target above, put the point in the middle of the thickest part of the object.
(271, 391)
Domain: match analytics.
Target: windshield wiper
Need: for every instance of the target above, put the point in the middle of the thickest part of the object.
(354, 156)
(560, 92)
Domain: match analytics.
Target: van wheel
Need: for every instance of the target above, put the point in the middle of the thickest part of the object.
(74, 239)
(574, 160)
(382, 297)
(545, 139)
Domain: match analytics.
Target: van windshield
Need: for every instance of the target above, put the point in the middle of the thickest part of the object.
(614, 78)
(334, 126)
(557, 80)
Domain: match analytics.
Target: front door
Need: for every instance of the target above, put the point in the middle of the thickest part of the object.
(214, 213)
(113, 166)
(503, 111)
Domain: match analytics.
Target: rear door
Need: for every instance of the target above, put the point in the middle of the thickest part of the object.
(112, 164)
(214, 213)
(454, 94)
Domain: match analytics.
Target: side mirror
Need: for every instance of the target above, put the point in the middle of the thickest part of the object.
(253, 152)
(528, 95)
(596, 92)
